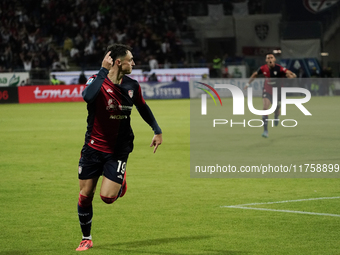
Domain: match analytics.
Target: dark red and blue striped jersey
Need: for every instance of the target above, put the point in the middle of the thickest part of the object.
(109, 108)
(271, 73)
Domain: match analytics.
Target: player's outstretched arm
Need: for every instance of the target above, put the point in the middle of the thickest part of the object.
(252, 77)
(290, 74)
(156, 141)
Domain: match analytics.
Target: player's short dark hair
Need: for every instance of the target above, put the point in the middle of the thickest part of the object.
(117, 50)
(269, 53)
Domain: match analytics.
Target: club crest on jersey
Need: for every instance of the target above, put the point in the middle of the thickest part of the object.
(275, 72)
(80, 169)
(130, 92)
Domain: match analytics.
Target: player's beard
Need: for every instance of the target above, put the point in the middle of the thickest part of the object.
(128, 70)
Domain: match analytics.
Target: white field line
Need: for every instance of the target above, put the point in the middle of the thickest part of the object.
(246, 206)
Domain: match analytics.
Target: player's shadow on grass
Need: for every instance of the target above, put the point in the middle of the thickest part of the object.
(132, 247)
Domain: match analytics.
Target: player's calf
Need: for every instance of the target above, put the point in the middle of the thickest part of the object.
(85, 214)
(276, 114)
(123, 189)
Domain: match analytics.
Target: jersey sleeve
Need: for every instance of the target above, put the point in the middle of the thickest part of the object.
(139, 100)
(259, 71)
(145, 112)
(283, 70)
(149, 118)
(93, 85)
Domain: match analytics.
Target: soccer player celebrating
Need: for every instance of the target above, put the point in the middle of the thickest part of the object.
(110, 96)
(270, 70)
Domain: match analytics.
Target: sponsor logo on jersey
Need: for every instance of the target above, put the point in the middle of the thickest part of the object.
(89, 81)
(118, 117)
(112, 105)
(125, 107)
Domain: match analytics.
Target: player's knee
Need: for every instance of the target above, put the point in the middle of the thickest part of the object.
(84, 201)
(109, 200)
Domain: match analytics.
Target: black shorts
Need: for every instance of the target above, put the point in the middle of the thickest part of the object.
(94, 163)
(270, 96)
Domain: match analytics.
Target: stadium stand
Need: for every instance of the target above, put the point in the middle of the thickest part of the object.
(63, 34)
(40, 36)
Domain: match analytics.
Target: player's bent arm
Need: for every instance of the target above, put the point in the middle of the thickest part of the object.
(92, 90)
(252, 77)
(290, 74)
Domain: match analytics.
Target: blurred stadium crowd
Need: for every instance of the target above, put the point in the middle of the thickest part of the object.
(32, 31)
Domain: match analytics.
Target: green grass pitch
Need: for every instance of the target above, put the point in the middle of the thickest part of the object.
(164, 210)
